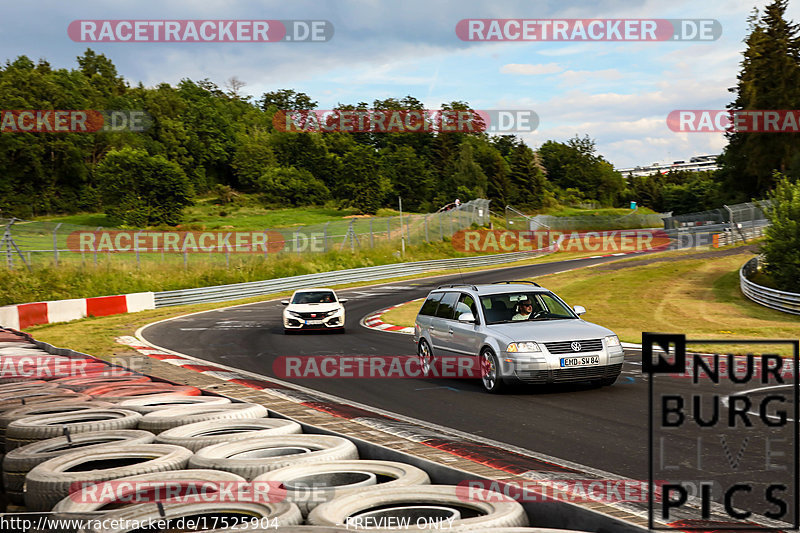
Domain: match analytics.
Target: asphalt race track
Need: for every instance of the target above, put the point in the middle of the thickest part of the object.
(602, 428)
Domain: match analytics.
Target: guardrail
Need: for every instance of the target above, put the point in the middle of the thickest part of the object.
(221, 293)
(787, 302)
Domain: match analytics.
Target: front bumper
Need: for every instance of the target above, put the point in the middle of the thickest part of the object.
(543, 368)
(333, 322)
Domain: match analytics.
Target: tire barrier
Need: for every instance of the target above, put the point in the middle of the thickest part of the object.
(309, 485)
(253, 457)
(116, 393)
(99, 380)
(149, 404)
(425, 504)
(202, 434)
(53, 480)
(18, 462)
(61, 438)
(243, 513)
(127, 495)
(40, 427)
(49, 408)
(37, 384)
(162, 420)
(48, 396)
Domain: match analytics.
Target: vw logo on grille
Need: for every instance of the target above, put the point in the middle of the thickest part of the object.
(576, 346)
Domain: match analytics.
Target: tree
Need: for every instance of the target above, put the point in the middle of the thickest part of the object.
(527, 178)
(292, 186)
(138, 189)
(286, 100)
(577, 165)
(408, 176)
(769, 80)
(366, 188)
(781, 247)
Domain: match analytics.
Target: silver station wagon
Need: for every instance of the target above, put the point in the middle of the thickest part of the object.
(515, 331)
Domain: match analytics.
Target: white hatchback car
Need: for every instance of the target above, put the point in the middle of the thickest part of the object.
(313, 309)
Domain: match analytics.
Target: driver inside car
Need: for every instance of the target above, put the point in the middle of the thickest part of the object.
(524, 310)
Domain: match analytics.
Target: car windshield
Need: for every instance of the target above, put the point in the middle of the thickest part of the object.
(523, 306)
(313, 297)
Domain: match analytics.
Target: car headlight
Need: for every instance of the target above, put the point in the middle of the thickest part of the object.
(515, 347)
(296, 315)
(612, 341)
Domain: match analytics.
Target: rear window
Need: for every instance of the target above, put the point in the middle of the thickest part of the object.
(430, 305)
(447, 306)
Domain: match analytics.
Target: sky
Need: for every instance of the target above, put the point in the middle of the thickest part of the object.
(618, 93)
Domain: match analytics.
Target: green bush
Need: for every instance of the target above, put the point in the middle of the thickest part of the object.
(781, 248)
(141, 190)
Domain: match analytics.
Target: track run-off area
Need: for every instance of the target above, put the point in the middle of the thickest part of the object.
(605, 429)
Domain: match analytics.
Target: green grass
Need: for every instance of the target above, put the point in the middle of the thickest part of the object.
(114, 276)
(602, 212)
(244, 213)
(678, 293)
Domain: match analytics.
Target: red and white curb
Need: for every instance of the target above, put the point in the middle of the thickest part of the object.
(375, 320)
(177, 360)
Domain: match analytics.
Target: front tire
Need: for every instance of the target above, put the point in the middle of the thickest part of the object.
(490, 372)
(425, 357)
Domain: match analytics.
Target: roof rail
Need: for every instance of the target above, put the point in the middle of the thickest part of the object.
(452, 285)
(517, 281)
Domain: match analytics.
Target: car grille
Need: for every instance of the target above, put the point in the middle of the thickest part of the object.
(566, 375)
(315, 315)
(588, 345)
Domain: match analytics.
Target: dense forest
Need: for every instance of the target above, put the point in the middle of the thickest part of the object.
(204, 138)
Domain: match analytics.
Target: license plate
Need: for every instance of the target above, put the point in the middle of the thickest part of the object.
(580, 361)
(313, 322)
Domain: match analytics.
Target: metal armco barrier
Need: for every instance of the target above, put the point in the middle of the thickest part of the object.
(221, 293)
(787, 302)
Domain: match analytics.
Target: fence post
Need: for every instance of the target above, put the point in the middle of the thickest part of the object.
(388, 229)
(371, 235)
(55, 243)
(325, 236)
(7, 242)
(441, 228)
(408, 229)
(135, 247)
(426, 229)
(100, 228)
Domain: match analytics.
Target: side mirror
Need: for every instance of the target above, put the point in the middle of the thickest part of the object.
(579, 310)
(285, 302)
(466, 317)
(342, 300)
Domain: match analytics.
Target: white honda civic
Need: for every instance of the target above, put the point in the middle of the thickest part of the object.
(313, 309)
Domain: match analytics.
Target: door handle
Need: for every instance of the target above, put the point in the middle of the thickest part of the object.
(431, 328)
(451, 331)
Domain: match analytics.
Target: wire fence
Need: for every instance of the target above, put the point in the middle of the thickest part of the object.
(36, 244)
(738, 216)
(519, 221)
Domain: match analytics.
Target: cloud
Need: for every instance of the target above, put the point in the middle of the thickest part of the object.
(531, 70)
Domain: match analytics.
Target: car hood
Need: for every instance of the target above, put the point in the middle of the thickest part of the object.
(549, 330)
(313, 308)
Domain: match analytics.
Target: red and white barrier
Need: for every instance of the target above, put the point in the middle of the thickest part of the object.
(22, 316)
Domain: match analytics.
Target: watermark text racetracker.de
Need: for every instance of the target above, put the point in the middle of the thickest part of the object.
(734, 121)
(73, 120)
(200, 31)
(406, 120)
(614, 241)
(375, 367)
(587, 30)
